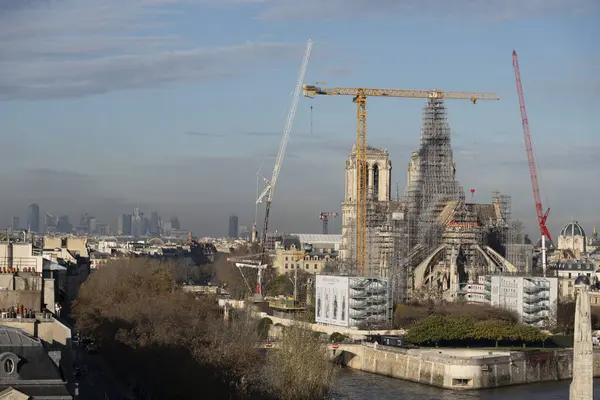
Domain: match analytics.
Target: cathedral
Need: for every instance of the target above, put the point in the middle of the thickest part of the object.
(431, 239)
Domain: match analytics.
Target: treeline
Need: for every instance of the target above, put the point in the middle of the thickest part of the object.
(175, 346)
(464, 330)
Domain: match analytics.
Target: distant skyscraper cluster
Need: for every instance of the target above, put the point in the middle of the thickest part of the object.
(134, 224)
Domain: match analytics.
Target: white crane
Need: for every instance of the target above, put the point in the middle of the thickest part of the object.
(247, 261)
(270, 189)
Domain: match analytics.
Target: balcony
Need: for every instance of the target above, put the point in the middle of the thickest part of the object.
(535, 289)
(532, 309)
(533, 319)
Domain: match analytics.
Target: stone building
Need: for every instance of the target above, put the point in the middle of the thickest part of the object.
(26, 369)
(572, 242)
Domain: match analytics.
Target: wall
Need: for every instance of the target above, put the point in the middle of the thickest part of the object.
(328, 329)
(29, 299)
(462, 369)
(47, 329)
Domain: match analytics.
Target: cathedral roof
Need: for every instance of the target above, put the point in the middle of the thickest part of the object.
(572, 229)
(371, 150)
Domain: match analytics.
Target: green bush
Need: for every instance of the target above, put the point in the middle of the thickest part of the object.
(440, 329)
(336, 337)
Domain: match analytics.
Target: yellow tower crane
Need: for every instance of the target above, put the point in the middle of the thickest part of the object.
(360, 98)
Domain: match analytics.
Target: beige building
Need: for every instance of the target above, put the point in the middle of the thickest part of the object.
(572, 242)
(285, 261)
(568, 271)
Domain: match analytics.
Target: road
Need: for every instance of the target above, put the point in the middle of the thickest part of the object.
(95, 380)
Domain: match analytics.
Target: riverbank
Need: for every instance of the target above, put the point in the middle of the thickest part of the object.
(461, 369)
(357, 385)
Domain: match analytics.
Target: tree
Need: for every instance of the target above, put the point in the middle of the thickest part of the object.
(172, 343)
(442, 329)
(301, 368)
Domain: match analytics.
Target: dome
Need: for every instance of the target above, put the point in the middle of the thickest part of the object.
(582, 280)
(572, 229)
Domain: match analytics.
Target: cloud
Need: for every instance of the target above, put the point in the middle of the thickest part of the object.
(498, 10)
(72, 48)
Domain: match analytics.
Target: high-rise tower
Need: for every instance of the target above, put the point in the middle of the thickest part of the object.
(233, 226)
(33, 218)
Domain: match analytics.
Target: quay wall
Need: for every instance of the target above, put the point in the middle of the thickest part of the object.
(461, 369)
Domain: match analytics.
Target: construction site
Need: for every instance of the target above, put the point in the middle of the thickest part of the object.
(430, 240)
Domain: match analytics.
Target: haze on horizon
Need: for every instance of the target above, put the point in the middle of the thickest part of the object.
(173, 105)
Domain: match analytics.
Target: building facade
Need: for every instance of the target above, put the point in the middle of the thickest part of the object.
(568, 271)
(532, 298)
(353, 302)
(379, 172)
(572, 241)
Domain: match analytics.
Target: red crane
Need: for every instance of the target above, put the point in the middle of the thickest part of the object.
(324, 216)
(541, 216)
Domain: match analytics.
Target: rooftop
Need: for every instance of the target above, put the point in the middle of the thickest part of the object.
(572, 229)
(16, 337)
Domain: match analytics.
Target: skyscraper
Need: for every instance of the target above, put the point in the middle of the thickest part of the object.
(124, 224)
(233, 226)
(15, 223)
(33, 218)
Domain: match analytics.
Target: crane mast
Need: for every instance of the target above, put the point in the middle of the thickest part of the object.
(324, 216)
(360, 98)
(270, 188)
(541, 215)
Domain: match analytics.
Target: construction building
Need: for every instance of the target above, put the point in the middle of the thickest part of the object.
(431, 241)
(353, 301)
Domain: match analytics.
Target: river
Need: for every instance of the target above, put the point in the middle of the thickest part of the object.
(356, 385)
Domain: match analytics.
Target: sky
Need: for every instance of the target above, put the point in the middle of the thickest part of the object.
(175, 105)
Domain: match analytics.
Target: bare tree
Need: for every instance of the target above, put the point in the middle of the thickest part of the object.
(301, 368)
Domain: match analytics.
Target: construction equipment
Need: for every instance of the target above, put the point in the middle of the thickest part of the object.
(270, 189)
(360, 98)
(324, 216)
(250, 261)
(297, 256)
(541, 215)
(260, 261)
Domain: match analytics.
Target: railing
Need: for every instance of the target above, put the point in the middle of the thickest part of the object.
(535, 289)
(536, 308)
(19, 264)
(532, 319)
(535, 299)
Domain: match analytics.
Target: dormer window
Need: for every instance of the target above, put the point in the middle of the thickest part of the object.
(9, 366)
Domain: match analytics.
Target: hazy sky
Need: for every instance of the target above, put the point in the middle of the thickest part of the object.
(173, 104)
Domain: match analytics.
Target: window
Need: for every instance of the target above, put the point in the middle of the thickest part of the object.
(286, 259)
(286, 266)
(9, 366)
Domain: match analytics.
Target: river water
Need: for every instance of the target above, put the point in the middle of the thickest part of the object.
(356, 385)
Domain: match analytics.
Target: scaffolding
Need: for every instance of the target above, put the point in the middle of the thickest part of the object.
(432, 184)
